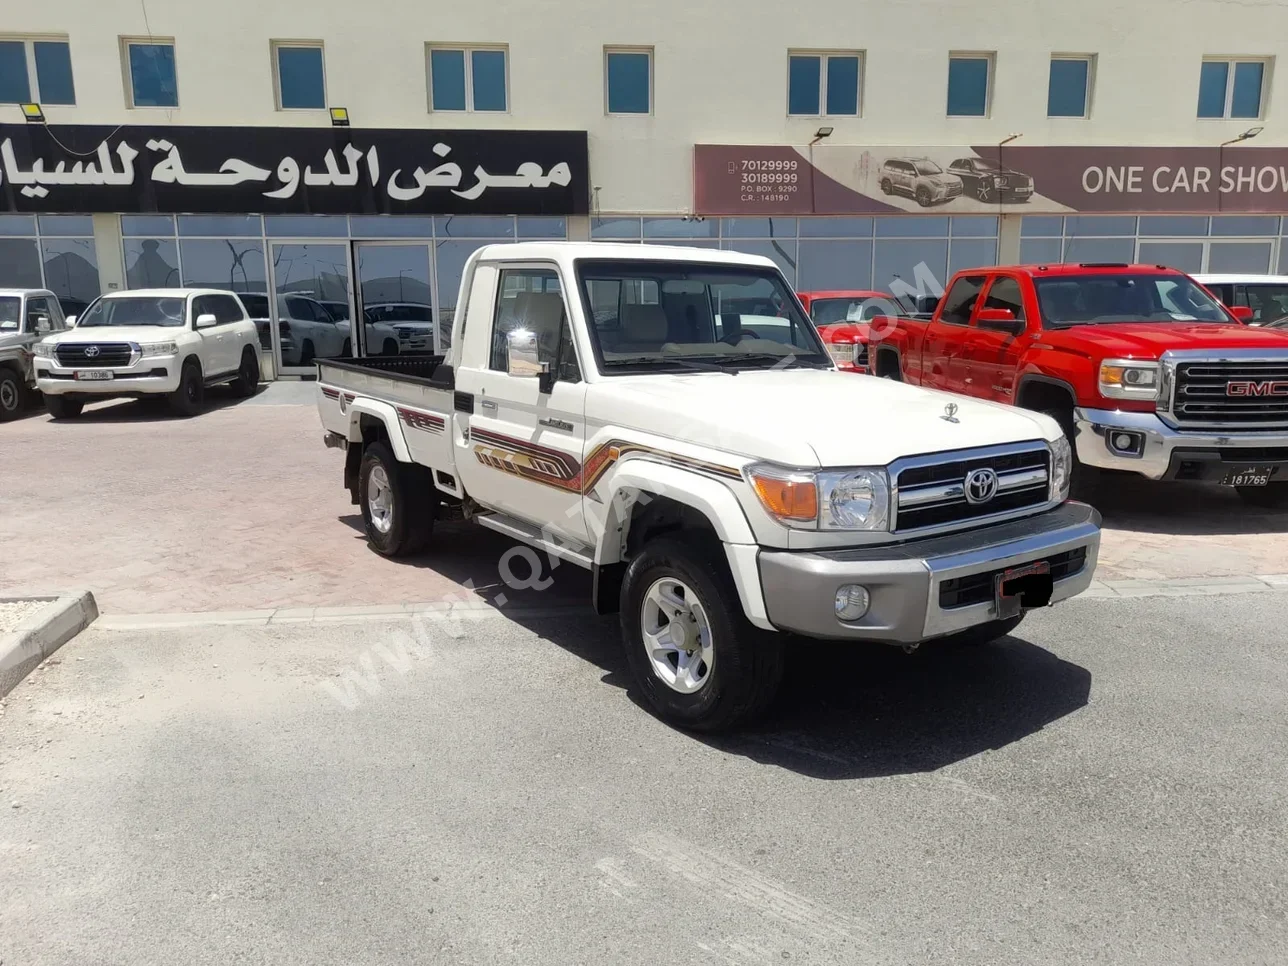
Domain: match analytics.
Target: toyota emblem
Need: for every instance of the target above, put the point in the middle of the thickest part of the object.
(980, 486)
(91, 351)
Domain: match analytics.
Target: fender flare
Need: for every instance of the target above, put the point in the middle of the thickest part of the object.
(387, 415)
(882, 348)
(710, 497)
(1039, 378)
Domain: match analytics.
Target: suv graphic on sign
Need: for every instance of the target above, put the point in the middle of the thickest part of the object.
(920, 179)
(988, 181)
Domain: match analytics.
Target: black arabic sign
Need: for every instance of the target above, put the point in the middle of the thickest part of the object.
(85, 169)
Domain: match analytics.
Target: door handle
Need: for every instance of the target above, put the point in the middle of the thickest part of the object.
(488, 404)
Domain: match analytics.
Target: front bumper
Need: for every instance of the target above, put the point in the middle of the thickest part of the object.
(153, 374)
(912, 599)
(1174, 454)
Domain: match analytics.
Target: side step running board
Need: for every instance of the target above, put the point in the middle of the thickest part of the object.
(582, 556)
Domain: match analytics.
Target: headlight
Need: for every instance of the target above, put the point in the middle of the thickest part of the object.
(830, 500)
(1061, 469)
(44, 350)
(159, 349)
(1128, 379)
(854, 500)
(841, 352)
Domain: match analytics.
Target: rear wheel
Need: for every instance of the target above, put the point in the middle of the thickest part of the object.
(13, 394)
(398, 502)
(1272, 496)
(187, 399)
(699, 662)
(247, 380)
(60, 407)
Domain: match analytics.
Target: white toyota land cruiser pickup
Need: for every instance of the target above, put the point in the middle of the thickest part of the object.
(727, 487)
(171, 343)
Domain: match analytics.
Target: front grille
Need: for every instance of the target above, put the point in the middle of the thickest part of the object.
(933, 495)
(978, 588)
(95, 355)
(1252, 395)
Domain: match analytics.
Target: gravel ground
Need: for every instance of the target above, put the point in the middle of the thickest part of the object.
(14, 612)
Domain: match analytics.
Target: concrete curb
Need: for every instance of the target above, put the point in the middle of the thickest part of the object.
(477, 610)
(41, 634)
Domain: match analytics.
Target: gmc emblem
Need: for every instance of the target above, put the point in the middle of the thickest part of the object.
(1244, 387)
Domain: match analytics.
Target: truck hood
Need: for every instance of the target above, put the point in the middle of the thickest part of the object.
(807, 417)
(1149, 340)
(119, 333)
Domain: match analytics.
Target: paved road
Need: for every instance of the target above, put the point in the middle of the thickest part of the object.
(242, 507)
(1108, 787)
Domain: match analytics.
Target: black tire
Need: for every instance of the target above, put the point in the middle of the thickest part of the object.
(389, 348)
(1272, 496)
(987, 197)
(307, 353)
(923, 197)
(186, 401)
(346, 350)
(887, 187)
(413, 503)
(981, 634)
(13, 394)
(747, 666)
(60, 407)
(247, 380)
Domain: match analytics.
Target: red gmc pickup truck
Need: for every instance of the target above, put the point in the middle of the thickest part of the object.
(1145, 371)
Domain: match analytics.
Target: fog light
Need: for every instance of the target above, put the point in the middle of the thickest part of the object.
(852, 602)
(1127, 444)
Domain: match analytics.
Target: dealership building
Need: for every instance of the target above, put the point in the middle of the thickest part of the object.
(331, 167)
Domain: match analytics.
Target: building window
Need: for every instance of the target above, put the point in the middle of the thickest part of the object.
(628, 78)
(151, 74)
(1069, 87)
(300, 76)
(969, 83)
(468, 79)
(1231, 88)
(824, 84)
(36, 70)
(51, 251)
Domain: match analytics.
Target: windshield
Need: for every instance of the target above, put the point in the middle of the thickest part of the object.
(928, 167)
(831, 311)
(983, 164)
(1268, 302)
(1081, 299)
(133, 310)
(9, 309)
(656, 315)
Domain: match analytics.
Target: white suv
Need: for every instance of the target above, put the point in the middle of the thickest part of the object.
(155, 342)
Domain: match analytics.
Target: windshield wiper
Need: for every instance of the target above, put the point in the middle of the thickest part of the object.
(703, 366)
(773, 357)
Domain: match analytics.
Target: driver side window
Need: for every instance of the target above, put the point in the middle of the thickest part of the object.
(531, 298)
(959, 302)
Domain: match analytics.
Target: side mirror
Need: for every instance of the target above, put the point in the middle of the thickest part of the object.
(206, 320)
(999, 320)
(43, 326)
(523, 357)
(70, 321)
(1241, 312)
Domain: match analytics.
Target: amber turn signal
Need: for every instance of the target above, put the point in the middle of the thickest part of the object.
(785, 494)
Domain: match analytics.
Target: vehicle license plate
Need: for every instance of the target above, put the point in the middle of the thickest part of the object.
(94, 375)
(1022, 588)
(1247, 476)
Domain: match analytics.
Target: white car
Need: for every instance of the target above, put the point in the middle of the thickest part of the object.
(1265, 295)
(730, 491)
(26, 317)
(153, 342)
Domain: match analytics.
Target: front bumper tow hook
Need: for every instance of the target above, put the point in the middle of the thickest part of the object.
(909, 648)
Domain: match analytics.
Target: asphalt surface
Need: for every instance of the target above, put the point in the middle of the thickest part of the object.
(1108, 787)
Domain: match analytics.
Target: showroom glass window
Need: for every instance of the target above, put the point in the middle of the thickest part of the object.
(969, 80)
(823, 83)
(1231, 88)
(468, 79)
(51, 251)
(1069, 87)
(150, 69)
(301, 76)
(628, 81)
(35, 70)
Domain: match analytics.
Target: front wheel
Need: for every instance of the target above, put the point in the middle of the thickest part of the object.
(923, 197)
(187, 399)
(60, 407)
(887, 188)
(1272, 496)
(697, 659)
(13, 395)
(397, 501)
